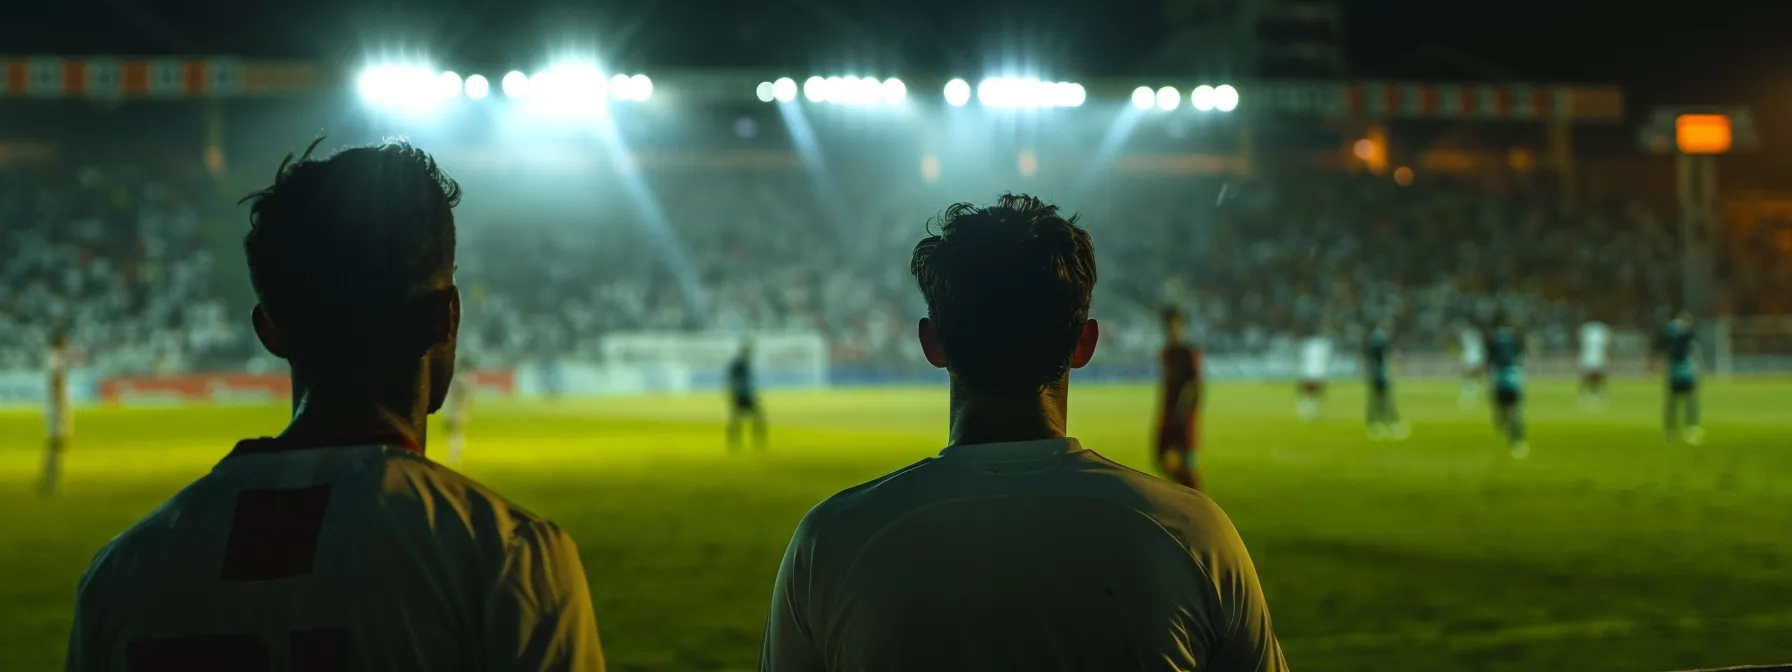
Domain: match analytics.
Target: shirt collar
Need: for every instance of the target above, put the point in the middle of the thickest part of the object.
(1010, 451)
(279, 445)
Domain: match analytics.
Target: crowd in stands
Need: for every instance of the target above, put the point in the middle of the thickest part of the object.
(110, 255)
(115, 257)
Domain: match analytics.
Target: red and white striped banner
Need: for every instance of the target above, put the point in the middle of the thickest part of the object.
(104, 77)
(1440, 101)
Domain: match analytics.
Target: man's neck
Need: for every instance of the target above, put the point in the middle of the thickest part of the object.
(331, 416)
(985, 418)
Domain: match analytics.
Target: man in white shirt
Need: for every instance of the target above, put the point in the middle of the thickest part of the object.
(1595, 339)
(337, 545)
(1015, 548)
(1315, 367)
(1474, 366)
(59, 415)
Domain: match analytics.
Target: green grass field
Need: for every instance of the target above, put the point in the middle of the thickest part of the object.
(1606, 550)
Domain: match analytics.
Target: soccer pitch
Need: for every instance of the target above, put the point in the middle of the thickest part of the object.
(1606, 550)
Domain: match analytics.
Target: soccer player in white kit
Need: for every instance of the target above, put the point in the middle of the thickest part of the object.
(1595, 338)
(1315, 366)
(1015, 548)
(59, 415)
(1474, 366)
(338, 545)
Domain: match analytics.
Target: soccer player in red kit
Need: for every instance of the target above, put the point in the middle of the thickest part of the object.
(1178, 410)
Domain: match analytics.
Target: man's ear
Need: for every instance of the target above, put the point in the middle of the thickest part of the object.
(1085, 344)
(930, 344)
(267, 332)
(445, 317)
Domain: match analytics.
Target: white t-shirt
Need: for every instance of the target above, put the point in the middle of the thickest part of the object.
(1315, 358)
(59, 414)
(1034, 555)
(369, 555)
(1594, 338)
(1474, 348)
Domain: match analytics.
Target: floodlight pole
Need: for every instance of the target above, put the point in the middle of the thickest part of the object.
(1697, 179)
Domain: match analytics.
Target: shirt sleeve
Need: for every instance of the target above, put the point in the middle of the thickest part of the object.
(1247, 640)
(88, 650)
(789, 645)
(539, 616)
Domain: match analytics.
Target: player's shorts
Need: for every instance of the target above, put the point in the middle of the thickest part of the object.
(452, 424)
(1507, 396)
(1682, 385)
(746, 402)
(1470, 370)
(1593, 377)
(1380, 385)
(1176, 437)
(1312, 387)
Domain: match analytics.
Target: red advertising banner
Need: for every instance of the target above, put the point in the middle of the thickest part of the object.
(247, 388)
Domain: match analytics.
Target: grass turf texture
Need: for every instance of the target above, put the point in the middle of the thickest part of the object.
(1606, 550)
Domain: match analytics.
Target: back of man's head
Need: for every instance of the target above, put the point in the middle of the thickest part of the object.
(1007, 290)
(350, 255)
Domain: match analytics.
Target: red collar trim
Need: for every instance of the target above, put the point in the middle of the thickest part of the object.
(280, 444)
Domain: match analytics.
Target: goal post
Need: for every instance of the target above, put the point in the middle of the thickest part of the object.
(781, 359)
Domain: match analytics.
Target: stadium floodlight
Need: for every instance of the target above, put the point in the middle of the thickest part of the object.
(894, 91)
(477, 87)
(1202, 98)
(764, 91)
(1029, 92)
(834, 90)
(1168, 98)
(1067, 94)
(1143, 98)
(567, 89)
(1225, 98)
(515, 84)
(643, 87)
(815, 89)
(448, 84)
(620, 88)
(403, 88)
(784, 89)
(958, 93)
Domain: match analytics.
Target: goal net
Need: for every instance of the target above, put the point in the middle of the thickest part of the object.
(1754, 345)
(699, 360)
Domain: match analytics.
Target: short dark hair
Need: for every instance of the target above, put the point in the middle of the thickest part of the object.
(1171, 314)
(1007, 288)
(342, 249)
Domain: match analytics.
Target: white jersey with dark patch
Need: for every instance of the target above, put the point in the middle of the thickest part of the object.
(348, 558)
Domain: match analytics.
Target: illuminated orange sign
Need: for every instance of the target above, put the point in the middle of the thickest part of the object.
(1702, 133)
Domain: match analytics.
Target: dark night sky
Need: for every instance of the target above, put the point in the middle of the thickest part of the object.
(1714, 51)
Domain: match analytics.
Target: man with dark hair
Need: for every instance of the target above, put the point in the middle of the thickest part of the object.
(1179, 403)
(337, 545)
(1015, 548)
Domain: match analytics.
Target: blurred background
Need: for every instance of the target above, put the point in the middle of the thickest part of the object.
(647, 183)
